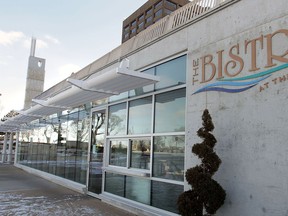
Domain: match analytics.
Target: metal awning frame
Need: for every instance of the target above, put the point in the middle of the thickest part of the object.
(113, 82)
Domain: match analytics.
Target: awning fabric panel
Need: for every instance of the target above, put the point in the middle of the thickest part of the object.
(98, 87)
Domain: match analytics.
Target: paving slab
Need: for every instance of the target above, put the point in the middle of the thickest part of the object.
(23, 194)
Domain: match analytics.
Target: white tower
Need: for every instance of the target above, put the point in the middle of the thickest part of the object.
(35, 76)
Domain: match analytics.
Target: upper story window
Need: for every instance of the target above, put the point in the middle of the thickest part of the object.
(159, 4)
(133, 31)
(141, 17)
(133, 24)
(149, 19)
(167, 11)
(141, 25)
(149, 11)
(171, 4)
(158, 13)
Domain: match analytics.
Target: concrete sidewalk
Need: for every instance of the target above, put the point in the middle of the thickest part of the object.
(24, 194)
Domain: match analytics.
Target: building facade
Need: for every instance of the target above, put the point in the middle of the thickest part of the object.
(147, 15)
(127, 140)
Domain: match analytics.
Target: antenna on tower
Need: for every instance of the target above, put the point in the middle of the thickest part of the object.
(33, 46)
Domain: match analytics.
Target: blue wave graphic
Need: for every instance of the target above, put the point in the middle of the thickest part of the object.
(213, 86)
(235, 82)
(227, 90)
(267, 72)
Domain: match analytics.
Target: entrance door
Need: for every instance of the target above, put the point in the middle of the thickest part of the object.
(96, 151)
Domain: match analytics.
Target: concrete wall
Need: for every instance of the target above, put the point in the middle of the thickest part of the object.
(250, 126)
(35, 79)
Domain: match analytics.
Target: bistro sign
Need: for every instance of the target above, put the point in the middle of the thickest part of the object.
(259, 58)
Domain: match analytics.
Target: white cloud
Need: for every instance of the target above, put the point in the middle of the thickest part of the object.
(39, 43)
(62, 73)
(52, 39)
(8, 38)
(3, 62)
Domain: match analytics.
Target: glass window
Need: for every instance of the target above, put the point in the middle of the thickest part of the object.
(140, 154)
(149, 12)
(141, 25)
(165, 195)
(149, 19)
(170, 111)
(140, 114)
(141, 17)
(158, 13)
(167, 11)
(159, 4)
(117, 119)
(126, 29)
(114, 184)
(138, 189)
(170, 4)
(168, 157)
(83, 132)
(171, 73)
(145, 89)
(71, 145)
(133, 24)
(118, 97)
(133, 31)
(118, 153)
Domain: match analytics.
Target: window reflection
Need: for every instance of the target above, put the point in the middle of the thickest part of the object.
(140, 154)
(170, 111)
(114, 184)
(118, 153)
(171, 73)
(138, 189)
(171, 4)
(118, 97)
(58, 145)
(168, 157)
(165, 195)
(144, 89)
(117, 119)
(140, 115)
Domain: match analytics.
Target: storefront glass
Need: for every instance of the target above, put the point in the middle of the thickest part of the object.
(146, 139)
(57, 145)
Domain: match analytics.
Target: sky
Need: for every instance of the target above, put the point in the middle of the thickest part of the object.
(70, 35)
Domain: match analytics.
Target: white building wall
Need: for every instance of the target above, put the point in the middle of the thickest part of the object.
(250, 126)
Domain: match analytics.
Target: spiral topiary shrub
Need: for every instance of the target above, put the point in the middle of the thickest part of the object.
(206, 193)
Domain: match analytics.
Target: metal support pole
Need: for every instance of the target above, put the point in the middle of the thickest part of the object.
(4, 148)
(10, 148)
(16, 148)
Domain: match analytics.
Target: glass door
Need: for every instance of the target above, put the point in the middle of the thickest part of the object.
(97, 142)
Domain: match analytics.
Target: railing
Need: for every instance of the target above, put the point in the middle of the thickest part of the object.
(181, 16)
(191, 11)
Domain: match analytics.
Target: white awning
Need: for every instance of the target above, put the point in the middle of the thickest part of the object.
(114, 82)
(110, 83)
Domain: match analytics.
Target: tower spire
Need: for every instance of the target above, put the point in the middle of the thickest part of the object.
(33, 46)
